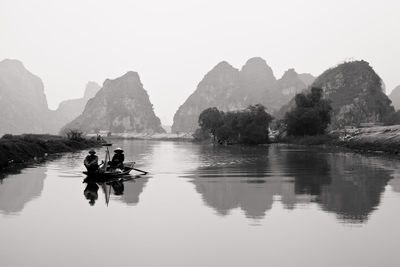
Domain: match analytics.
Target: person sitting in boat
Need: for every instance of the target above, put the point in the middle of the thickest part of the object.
(91, 161)
(117, 161)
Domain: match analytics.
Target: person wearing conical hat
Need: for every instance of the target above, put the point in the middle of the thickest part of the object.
(117, 160)
(91, 161)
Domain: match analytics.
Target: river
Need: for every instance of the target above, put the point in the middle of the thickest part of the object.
(206, 206)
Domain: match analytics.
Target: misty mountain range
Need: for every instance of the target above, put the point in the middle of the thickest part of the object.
(123, 105)
(23, 103)
(228, 88)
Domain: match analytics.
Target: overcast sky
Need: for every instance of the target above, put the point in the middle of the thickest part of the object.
(173, 44)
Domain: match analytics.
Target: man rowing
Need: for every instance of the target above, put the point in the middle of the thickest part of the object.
(91, 161)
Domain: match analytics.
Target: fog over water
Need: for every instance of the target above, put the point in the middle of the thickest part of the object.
(172, 44)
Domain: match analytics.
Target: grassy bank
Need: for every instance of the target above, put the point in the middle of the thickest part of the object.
(19, 149)
(374, 139)
(385, 139)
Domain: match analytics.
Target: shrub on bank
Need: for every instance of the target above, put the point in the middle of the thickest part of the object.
(201, 135)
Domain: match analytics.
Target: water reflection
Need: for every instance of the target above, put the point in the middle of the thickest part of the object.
(128, 189)
(395, 185)
(133, 189)
(17, 190)
(355, 189)
(248, 178)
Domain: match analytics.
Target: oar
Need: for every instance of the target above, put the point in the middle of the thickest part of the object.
(144, 172)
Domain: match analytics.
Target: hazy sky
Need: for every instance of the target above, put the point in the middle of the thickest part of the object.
(172, 44)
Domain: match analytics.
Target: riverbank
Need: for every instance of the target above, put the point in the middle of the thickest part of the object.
(22, 149)
(383, 139)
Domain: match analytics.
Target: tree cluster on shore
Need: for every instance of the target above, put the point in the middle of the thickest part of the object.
(392, 118)
(248, 126)
(311, 116)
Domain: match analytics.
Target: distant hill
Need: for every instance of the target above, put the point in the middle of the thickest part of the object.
(289, 85)
(395, 97)
(23, 103)
(257, 83)
(121, 105)
(227, 88)
(307, 78)
(356, 94)
(70, 109)
(219, 87)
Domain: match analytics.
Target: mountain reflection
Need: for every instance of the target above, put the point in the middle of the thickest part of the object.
(356, 187)
(133, 189)
(347, 185)
(128, 189)
(17, 190)
(395, 184)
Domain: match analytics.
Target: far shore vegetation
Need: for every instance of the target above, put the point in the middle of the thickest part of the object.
(309, 119)
(307, 123)
(248, 126)
(20, 149)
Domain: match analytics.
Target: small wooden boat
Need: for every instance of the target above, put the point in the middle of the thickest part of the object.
(111, 172)
(105, 171)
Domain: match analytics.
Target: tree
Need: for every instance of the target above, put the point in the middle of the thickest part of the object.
(392, 119)
(248, 126)
(253, 125)
(211, 119)
(311, 116)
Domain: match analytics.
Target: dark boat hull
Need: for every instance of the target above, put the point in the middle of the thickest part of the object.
(128, 167)
(108, 174)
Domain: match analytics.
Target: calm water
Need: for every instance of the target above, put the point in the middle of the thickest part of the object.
(205, 206)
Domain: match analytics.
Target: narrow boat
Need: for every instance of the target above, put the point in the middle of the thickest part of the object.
(106, 172)
(112, 173)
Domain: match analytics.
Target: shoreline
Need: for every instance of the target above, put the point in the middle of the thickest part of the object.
(18, 151)
(382, 140)
(377, 140)
(184, 137)
(174, 139)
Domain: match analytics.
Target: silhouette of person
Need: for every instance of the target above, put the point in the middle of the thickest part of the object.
(117, 160)
(91, 161)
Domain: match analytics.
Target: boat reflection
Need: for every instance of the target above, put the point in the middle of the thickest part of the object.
(347, 185)
(91, 190)
(127, 189)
